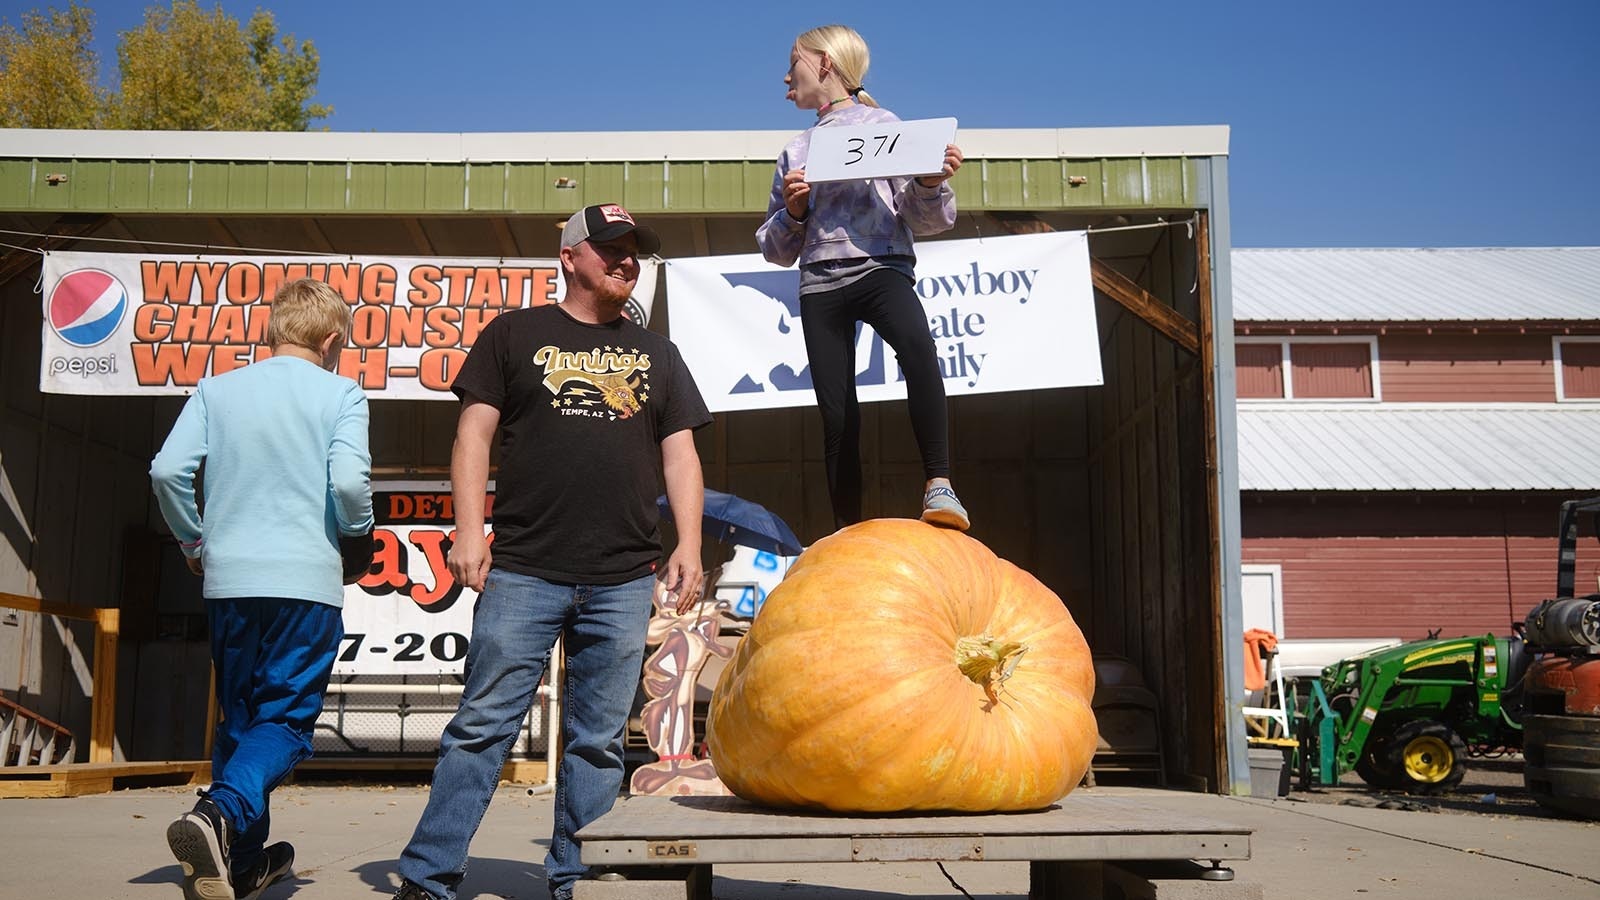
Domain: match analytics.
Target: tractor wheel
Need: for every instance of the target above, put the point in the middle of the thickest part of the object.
(1373, 766)
(1426, 756)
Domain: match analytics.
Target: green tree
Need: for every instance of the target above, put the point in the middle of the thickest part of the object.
(49, 74)
(288, 73)
(190, 69)
(183, 68)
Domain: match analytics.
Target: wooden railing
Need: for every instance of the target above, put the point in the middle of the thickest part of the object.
(32, 735)
(103, 689)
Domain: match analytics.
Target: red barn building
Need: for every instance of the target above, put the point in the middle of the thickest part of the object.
(1409, 423)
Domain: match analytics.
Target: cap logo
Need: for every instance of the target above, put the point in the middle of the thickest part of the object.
(614, 213)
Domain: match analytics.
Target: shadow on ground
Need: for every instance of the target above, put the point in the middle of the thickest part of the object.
(1492, 786)
(487, 877)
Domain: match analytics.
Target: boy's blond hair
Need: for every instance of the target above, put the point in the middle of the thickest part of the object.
(306, 311)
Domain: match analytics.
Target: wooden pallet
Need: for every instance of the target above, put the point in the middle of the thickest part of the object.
(78, 779)
(516, 771)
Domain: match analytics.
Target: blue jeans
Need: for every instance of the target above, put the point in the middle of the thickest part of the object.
(514, 626)
(272, 658)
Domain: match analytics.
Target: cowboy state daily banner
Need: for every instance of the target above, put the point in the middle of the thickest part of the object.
(1006, 314)
(127, 323)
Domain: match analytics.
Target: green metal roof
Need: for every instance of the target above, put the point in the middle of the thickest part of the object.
(443, 174)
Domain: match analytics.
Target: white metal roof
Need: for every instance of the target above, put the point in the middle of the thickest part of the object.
(1417, 285)
(598, 146)
(1418, 447)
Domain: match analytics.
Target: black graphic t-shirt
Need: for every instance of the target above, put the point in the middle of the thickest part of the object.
(583, 411)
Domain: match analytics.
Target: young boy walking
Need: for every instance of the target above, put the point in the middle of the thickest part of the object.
(286, 520)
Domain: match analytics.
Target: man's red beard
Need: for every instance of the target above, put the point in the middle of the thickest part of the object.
(611, 292)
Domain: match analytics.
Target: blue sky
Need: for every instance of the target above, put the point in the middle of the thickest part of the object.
(1400, 123)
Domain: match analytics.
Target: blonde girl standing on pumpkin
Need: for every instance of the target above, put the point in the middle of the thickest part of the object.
(853, 242)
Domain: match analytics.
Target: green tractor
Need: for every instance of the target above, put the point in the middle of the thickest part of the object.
(1406, 717)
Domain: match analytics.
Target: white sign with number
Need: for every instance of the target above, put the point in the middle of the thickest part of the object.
(879, 150)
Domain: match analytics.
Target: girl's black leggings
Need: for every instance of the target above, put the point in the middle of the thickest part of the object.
(885, 300)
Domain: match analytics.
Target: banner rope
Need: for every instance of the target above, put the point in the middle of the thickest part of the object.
(1161, 222)
(152, 243)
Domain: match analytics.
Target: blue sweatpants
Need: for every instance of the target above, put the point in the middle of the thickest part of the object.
(273, 657)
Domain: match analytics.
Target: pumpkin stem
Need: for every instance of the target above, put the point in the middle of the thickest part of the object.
(988, 661)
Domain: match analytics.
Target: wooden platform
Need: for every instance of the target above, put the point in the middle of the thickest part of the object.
(665, 830)
(1067, 846)
(78, 779)
(516, 771)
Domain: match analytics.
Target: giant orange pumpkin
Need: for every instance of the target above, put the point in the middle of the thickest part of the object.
(900, 666)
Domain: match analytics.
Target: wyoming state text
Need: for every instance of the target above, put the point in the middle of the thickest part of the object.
(413, 322)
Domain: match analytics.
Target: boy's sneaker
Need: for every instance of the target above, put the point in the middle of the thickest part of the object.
(199, 840)
(276, 862)
(940, 507)
(410, 891)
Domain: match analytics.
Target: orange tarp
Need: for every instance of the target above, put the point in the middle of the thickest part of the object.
(1256, 641)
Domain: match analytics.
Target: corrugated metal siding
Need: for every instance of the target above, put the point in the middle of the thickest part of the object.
(1382, 448)
(1467, 368)
(1395, 567)
(690, 186)
(1331, 370)
(1394, 587)
(1416, 285)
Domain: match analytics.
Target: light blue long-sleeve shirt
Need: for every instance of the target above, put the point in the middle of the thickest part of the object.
(287, 471)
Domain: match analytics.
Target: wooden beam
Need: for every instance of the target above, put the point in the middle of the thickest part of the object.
(1208, 404)
(701, 236)
(418, 236)
(79, 779)
(103, 691)
(317, 238)
(103, 703)
(1145, 305)
(1119, 287)
(35, 604)
(517, 771)
(504, 237)
(213, 714)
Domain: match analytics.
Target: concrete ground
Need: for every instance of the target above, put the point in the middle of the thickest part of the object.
(1334, 843)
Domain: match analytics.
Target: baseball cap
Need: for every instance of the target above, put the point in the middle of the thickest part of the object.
(605, 222)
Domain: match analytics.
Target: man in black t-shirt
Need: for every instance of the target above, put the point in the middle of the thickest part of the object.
(593, 413)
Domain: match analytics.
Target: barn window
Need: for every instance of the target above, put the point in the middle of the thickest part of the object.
(1259, 371)
(1577, 368)
(1331, 371)
(1310, 368)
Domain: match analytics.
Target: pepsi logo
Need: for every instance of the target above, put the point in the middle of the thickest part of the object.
(86, 307)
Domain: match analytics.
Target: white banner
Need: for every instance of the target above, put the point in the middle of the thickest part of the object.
(407, 615)
(1006, 314)
(128, 323)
